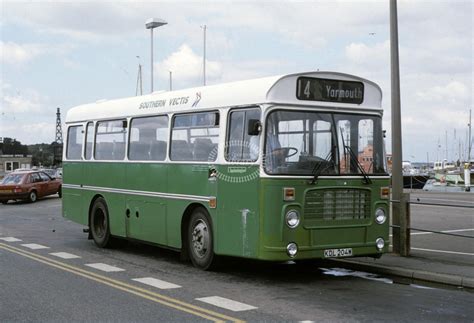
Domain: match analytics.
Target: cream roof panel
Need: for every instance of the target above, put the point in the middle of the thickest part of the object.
(276, 89)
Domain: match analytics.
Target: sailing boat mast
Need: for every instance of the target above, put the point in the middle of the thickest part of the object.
(469, 138)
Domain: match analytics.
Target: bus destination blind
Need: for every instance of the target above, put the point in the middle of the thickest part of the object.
(316, 89)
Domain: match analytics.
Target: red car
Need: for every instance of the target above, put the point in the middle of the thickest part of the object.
(28, 185)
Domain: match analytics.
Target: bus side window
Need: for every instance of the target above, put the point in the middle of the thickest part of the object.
(148, 138)
(75, 136)
(110, 140)
(195, 137)
(240, 146)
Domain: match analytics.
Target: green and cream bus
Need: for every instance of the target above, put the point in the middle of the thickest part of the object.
(279, 168)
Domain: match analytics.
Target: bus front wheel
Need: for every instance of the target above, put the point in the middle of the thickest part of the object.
(99, 223)
(200, 239)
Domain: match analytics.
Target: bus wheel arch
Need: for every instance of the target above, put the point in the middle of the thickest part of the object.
(184, 229)
(90, 212)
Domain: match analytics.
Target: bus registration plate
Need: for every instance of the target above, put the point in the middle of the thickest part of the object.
(335, 253)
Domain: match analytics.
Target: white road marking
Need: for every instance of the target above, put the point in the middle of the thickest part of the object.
(445, 231)
(226, 303)
(437, 206)
(421, 286)
(10, 239)
(105, 267)
(422, 199)
(156, 283)
(34, 246)
(64, 255)
(444, 251)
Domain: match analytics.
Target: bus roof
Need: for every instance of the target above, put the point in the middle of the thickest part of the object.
(269, 90)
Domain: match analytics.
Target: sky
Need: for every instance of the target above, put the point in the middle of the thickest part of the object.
(66, 53)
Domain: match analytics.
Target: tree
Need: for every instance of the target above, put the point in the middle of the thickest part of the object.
(10, 146)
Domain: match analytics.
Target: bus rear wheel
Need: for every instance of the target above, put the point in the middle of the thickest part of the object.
(99, 224)
(200, 239)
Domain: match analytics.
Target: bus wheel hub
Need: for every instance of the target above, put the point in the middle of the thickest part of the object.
(200, 238)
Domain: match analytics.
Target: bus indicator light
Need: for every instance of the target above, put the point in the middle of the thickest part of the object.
(288, 194)
(212, 202)
(384, 192)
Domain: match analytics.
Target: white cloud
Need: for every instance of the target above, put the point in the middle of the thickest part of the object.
(454, 92)
(30, 132)
(187, 67)
(368, 56)
(13, 53)
(24, 115)
(15, 102)
(19, 54)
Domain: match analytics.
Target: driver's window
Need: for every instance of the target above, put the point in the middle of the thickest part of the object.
(240, 146)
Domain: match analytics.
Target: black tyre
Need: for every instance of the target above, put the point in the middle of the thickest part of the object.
(99, 224)
(32, 197)
(60, 192)
(200, 240)
(5, 202)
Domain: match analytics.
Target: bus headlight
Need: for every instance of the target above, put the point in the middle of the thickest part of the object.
(380, 243)
(380, 216)
(292, 218)
(291, 249)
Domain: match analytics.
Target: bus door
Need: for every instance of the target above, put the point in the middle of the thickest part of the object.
(146, 176)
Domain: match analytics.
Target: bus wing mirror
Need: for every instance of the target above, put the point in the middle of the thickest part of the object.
(254, 127)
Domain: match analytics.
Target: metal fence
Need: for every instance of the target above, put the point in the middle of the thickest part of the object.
(404, 232)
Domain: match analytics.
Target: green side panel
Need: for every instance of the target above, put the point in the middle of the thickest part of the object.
(147, 215)
(109, 175)
(73, 207)
(238, 211)
(327, 218)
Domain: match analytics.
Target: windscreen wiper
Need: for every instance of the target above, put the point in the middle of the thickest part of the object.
(354, 159)
(318, 169)
(359, 166)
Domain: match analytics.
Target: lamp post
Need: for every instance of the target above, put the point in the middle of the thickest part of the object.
(151, 24)
(400, 206)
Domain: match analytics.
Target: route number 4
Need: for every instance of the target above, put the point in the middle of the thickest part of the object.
(306, 89)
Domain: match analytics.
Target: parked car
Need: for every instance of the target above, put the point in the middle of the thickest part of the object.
(28, 185)
(53, 172)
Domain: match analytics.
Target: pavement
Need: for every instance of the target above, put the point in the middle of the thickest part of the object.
(434, 258)
(416, 267)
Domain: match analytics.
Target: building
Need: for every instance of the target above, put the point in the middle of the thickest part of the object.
(9, 163)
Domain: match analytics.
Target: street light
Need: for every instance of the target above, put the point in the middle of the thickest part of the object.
(151, 24)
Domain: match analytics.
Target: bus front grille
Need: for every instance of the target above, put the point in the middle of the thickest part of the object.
(337, 204)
